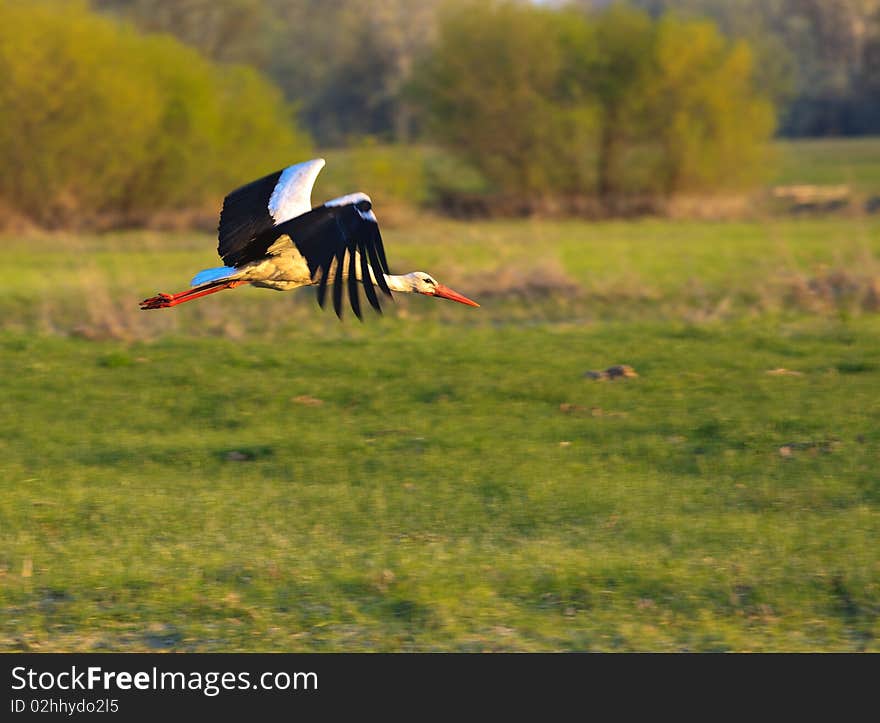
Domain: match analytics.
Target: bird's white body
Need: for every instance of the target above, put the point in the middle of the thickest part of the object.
(284, 269)
(286, 244)
(287, 269)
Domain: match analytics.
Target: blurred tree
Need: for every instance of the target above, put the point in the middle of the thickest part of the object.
(225, 30)
(815, 56)
(97, 119)
(545, 101)
(343, 62)
(711, 122)
(869, 75)
(832, 42)
(617, 70)
(346, 62)
(493, 88)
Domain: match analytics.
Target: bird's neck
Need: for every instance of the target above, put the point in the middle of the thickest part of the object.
(398, 283)
(402, 283)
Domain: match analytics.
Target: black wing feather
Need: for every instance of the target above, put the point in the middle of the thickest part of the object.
(369, 291)
(353, 296)
(337, 282)
(367, 231)
(245, 216)
(339, 255)
(380, 249)
(329, 234)
(324, 268)
(376, 263)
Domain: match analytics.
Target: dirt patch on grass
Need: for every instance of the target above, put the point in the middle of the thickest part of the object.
(832, 290)
(547, 279)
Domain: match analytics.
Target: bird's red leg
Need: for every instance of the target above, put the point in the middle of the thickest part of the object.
(163, 301)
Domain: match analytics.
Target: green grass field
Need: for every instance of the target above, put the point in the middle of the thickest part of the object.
(829, 161)
(246, 473)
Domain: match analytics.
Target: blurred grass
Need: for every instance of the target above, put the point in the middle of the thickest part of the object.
(829, 161)
(247, 473)
(522, 270)
(437, 487)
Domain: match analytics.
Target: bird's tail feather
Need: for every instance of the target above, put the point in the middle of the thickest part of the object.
(215, 274)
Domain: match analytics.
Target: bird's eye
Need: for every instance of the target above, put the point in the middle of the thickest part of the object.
(363, 206)
(430, 282)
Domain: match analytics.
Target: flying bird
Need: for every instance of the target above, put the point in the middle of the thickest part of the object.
(271, 237)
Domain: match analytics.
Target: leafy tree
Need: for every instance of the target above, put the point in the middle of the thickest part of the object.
(710, 120)
(343, 62)
(346, 62)
(549, 101)
(616, 71)
(96, 118)
(816, 56)
(493, 89)
(224, 30)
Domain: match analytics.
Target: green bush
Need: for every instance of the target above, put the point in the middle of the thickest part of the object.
(492, 91)
(96, 118)
(546, 101)
(708, 118)
(388, 173)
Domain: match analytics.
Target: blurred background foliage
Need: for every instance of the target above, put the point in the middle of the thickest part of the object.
(96, 117)
(547, 101)
(113, 112)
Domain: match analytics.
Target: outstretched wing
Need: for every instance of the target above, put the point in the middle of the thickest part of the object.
(341, 244)
(259, 206)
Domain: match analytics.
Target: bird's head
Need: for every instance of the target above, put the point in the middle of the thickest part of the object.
(422, 283)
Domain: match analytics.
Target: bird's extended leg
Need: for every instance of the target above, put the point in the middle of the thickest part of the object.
(163, 301)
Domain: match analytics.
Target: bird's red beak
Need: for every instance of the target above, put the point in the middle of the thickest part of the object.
(444, 292)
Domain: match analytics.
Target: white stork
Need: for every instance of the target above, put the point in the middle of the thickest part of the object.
(271, 237)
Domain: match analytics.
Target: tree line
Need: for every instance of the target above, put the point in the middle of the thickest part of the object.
(821, 58)
(97, 119)
(612, 104)
(127, 106)
(346, 62)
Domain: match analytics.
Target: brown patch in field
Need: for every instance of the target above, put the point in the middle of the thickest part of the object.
(567, 408)
(103, 315)
(618, 371)
(833, 290)
(546, 280)
(15, 222)
(811, 448)
(811, 198)
(307, 401)
(710, 208)
(384, 580)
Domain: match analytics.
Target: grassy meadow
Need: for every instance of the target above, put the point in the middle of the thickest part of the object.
(247, 473)
(854, 162)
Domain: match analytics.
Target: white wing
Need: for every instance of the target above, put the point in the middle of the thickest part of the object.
(292, 195)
